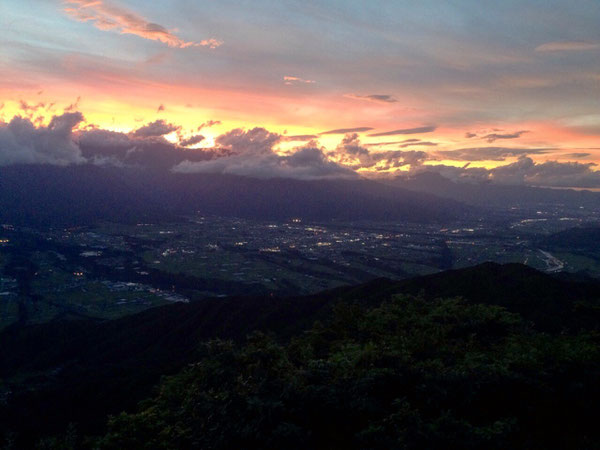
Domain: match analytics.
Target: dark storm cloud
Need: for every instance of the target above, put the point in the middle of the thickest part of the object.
(425, 129)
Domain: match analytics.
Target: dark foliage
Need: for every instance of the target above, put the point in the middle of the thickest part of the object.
(514, 363)
(408, 374)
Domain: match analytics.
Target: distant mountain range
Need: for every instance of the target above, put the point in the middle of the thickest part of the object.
(74, 195)
(490, 195)
(41, 195)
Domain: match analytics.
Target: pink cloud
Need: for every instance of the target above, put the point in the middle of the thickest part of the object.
(108, 17)
(567, 46)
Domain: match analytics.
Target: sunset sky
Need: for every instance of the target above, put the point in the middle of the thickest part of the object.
(466, 84)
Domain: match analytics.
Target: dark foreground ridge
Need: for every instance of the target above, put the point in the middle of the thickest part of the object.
(540, 349)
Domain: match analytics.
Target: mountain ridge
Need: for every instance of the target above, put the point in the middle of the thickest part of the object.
(79, 195)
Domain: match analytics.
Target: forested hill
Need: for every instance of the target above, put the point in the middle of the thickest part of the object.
(382, 365)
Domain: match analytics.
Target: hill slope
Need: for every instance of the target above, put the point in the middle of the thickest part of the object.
(112, 365)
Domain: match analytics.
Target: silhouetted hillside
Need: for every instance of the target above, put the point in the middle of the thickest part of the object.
(551, 303)
(46, 195)
(584, 239)
(75, 195)
(80, 371)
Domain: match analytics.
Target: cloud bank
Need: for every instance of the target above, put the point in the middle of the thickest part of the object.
(251, 154)
(21, 142)
(254, 153)
(147, 149)
(525, 172)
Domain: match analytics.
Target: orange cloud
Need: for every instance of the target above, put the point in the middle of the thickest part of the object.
(109, 17)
